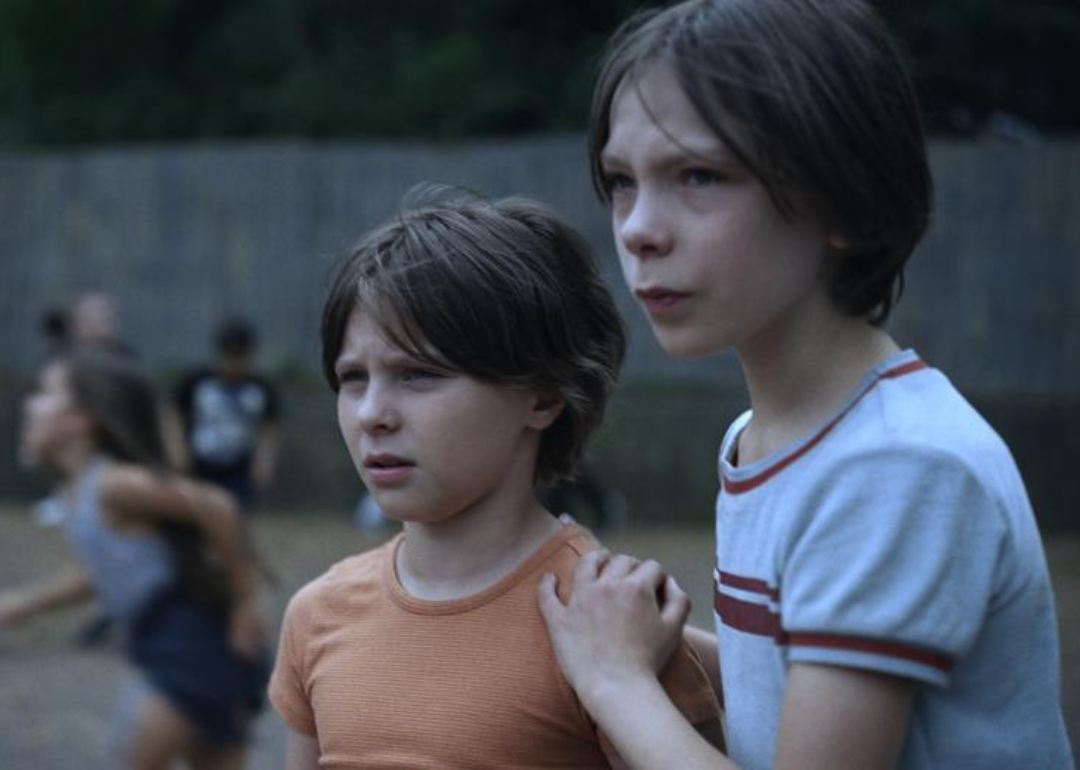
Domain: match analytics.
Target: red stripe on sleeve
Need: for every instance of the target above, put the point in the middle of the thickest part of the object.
(889, 649)
(750, 618)
(753, 585)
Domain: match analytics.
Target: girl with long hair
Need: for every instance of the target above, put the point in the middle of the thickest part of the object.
(163, 554)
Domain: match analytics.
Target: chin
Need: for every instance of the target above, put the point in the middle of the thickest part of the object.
(404, 514)
(685, 348)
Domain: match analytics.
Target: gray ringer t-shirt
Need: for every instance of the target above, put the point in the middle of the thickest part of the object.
(897, 538)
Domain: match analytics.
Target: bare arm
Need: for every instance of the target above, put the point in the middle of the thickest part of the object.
(704, 644)
(136, 495)
(301, 751)
(611, 638)
(264, 461)
(172, 431)
(842, 718)
(70, 589)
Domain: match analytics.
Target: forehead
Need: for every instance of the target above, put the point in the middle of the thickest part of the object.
(382, 333)
(363, 327)
(650, 112)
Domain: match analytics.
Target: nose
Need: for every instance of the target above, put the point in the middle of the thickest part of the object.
(377, 411)
(644, 229)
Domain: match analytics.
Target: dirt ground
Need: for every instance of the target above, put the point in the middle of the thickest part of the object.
(57, 702)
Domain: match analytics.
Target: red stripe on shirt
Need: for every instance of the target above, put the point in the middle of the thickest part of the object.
(748, 617)
(735, 487)
(753, 585)
(858, 644)
(759, 620)
(900, 371)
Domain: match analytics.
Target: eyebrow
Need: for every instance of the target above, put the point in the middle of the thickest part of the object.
(716, 152)
(395, 359)
(345, 360)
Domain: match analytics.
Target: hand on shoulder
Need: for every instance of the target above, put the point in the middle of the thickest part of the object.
(623, 619)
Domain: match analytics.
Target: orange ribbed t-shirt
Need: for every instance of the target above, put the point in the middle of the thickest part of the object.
(385, 680)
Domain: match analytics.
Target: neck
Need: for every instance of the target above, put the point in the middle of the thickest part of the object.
(73, 458)
(70, 462)
(797, 380)
(473, 550)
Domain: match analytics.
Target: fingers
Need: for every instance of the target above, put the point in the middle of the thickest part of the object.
(645, 578)
(619, 566)
(590, 565)
(675, 607)
(551, 608)
(651, 574)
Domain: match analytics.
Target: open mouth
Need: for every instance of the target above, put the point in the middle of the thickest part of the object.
(385, 462)
(383, 469)
(658, 299)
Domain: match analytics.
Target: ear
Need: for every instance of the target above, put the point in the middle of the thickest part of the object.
(546, 408)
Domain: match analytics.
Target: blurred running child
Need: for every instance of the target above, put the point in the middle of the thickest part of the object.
(163, 555)
(473, 347)
(882, 597)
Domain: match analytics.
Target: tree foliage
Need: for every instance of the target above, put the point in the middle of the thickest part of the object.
(974, 58)
(73, 72)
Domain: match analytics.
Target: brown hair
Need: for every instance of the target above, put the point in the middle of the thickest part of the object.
(502, 291)
(811, 97)
(120, 401)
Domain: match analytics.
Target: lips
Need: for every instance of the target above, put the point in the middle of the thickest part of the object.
(657, 299)
(385, 469)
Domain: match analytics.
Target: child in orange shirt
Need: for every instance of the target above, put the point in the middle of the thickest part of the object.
(472, 346)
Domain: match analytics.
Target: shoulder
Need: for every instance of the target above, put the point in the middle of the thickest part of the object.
(260, 383)
(354, 582)
(916, 419)
(263, 382)
(561, 555)
(905, 486)
(566, 548)
(188, 381)
(911, 461)
(924, 408)
(915, 433)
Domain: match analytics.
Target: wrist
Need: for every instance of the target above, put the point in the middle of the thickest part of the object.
(605, 691)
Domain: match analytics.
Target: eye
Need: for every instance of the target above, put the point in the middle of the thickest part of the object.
(615, 182)
(419, 374)
(702, 177)
(351, 375)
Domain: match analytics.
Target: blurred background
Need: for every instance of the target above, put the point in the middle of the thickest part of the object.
(197, 160)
